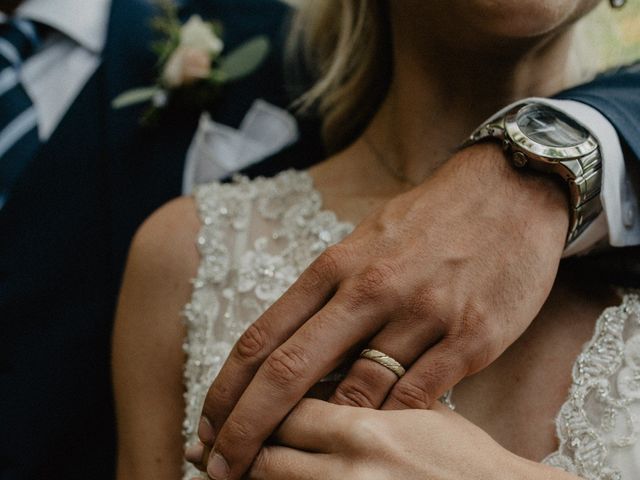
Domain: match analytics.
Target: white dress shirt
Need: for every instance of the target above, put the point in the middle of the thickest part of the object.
(54, 76)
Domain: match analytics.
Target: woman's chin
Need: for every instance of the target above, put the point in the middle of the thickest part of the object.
(495, 27)
(514, 19)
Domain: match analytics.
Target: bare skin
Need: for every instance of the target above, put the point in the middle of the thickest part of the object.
(410, 444)
(513, 402)
(428, 254)
(446, 275)
(147, 338)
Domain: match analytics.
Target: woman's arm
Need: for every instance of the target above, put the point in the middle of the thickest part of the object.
(331, 442)
(147, 343)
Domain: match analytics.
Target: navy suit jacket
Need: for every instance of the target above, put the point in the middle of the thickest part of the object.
(65, 231)
(616, 94)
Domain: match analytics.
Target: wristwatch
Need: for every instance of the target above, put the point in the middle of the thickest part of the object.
(541, 138)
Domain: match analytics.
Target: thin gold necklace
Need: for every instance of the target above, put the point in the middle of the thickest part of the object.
(391, 169)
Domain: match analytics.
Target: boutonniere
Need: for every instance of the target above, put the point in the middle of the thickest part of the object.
(192, 64)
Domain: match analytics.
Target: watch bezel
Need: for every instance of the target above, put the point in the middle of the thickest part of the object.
(521, 140)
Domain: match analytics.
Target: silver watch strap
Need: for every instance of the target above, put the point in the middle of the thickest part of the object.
(582, 175)
(584, 191)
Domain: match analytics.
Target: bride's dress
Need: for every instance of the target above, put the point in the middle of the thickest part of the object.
(258, 236)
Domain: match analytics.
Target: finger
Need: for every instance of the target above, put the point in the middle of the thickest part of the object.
(314, 426)
(435, 372)
(202, 466)
(198, 455)
(288, 373)
(278, 463)
(305, 297)
(194, 453)
(368, 383)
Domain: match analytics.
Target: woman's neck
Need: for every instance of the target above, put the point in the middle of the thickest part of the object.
(440, 93)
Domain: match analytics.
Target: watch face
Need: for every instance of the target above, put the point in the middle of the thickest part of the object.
(550, 127)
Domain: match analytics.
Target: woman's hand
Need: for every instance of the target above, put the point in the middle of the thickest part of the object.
(322, 441)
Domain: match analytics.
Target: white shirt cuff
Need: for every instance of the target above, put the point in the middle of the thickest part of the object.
(619, 220)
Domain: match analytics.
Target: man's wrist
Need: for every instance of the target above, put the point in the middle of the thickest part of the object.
(527, 195)
(543, 139)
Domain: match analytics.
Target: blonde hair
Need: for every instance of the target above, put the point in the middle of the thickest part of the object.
(346, 45)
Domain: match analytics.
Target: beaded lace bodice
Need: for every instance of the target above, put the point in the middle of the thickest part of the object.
(258, 236)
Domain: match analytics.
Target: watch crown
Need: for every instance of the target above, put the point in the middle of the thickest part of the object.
(519, 159)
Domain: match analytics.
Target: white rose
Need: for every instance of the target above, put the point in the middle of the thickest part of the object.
(197, 34)
(191, 60)
(185, 66)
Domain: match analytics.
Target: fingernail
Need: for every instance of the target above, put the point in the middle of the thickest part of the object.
(194, 453)
(217, 467)
(205, 431)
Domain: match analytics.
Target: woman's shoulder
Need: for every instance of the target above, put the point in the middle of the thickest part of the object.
(164, 244)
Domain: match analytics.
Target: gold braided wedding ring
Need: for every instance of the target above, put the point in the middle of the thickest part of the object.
(384, 360)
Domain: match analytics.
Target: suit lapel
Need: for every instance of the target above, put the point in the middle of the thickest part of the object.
(128, 63)
(146, 163)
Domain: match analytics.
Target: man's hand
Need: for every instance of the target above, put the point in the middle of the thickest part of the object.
(443, 279)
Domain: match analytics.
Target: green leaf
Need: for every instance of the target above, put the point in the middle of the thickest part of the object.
(244, 59)
(166, 48)
(217, 77)
(131, 97)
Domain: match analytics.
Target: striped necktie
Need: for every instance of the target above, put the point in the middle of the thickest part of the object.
(18, 120)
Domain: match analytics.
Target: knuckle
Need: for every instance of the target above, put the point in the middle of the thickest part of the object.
(444, 371)
(473, 314)
(429, 304)
(475, 326)
(362, 427)
(324, 269)
(374, 285)
(328, 263)
(219, 402)
(216, 397)
(353, 393)
(285, 366)
(234, 433)
(410, 395)
(476, 355)
(479, 359)
(375, 281)
(252, 344)
(432, 299)
(262, 465)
